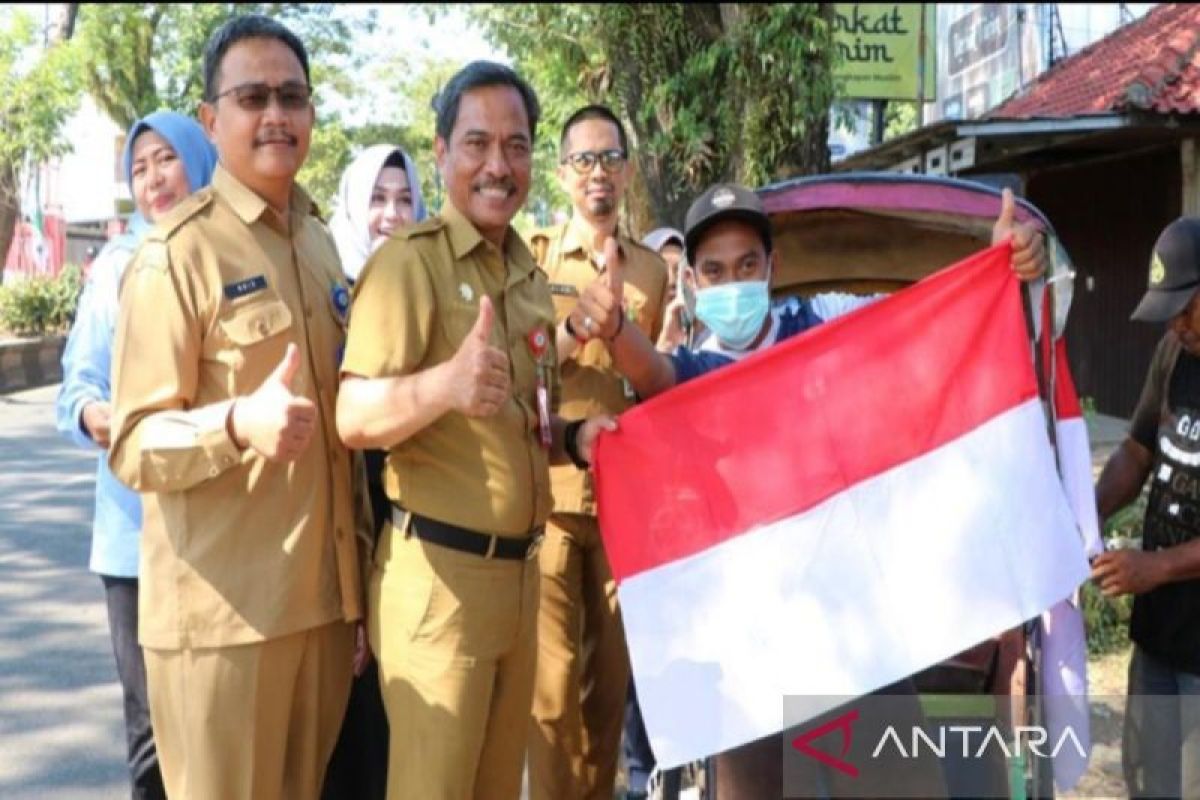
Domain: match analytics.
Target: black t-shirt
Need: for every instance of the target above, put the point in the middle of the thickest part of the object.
(1166, 621)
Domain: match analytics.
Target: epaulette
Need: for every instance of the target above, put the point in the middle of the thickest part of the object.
(636, 245)
(187, 208)
(539, 243)
(422, 228)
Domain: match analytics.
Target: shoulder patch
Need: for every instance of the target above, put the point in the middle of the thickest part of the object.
(189, 207)
(422, 228)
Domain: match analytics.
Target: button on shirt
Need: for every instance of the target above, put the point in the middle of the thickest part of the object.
(414, 304)
(235, 548)
(590, 384)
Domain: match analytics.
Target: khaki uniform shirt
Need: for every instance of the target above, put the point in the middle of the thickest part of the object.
(416, 301)
(235, 549)
(590, 384)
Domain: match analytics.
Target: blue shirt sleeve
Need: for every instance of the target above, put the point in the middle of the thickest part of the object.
(87, 357)
(692, 363)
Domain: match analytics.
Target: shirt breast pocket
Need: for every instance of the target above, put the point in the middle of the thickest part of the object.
(255, 341)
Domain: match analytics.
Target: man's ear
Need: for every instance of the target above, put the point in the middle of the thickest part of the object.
(208, 119)
(439, 153)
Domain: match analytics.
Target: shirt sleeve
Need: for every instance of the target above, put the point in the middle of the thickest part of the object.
(691, 364)
(392, 315)
(161, 443)
(831, 305)
(1143, 426)
(87, 357)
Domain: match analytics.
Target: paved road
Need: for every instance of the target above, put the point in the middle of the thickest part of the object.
(61, 733)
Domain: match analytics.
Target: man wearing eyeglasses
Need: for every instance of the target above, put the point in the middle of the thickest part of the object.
(583, 664)
(224, 418)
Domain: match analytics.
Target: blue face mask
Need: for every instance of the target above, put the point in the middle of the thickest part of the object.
(734, 312)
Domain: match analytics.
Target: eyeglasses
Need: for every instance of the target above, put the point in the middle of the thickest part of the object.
(293, 95)
(585, 160)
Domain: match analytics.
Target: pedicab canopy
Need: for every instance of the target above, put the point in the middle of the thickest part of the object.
(871, 232)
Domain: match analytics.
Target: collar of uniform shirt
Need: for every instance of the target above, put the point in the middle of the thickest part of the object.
(577, 237)
(250, 207)
(464, 238)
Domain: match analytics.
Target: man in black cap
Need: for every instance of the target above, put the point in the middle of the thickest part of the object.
(1161, 749)
(728, 242)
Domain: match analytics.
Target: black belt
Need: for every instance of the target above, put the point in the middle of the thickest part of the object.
(465, 540)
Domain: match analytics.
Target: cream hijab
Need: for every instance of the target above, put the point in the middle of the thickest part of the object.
(349, 221)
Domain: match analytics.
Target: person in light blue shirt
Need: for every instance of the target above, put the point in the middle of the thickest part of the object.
(166, 158)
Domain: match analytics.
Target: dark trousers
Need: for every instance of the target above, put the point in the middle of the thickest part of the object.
(121, 597)
(358, 767)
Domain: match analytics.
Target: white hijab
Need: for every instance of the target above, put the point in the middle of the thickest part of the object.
(349, 221)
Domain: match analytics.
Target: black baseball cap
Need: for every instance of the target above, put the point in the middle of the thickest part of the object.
(721, 202)
(1174, 272)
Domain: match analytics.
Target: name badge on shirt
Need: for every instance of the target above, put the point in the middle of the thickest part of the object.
(564, 290)
(244, 287)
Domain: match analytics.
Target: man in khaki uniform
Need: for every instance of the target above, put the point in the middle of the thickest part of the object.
(224, 390)
(451, 366)
(583, 664)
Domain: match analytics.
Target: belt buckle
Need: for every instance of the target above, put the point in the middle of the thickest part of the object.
(491, 548)
(534, 545)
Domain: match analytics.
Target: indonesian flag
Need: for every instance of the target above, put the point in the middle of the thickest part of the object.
(1063, 670)
(835, 513)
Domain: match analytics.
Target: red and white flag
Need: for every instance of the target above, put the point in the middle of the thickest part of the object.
(836, 513)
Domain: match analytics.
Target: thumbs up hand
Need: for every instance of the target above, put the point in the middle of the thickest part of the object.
(600, 306)
(478, 376)
(1028, 251)
(275, 422)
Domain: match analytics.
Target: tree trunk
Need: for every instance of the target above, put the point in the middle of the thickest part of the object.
(65, 15)
(10, 210)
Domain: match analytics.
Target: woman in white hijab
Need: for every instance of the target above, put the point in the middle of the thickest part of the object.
(378, 194)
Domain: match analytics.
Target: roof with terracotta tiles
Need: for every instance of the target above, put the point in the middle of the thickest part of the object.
(1151, 64)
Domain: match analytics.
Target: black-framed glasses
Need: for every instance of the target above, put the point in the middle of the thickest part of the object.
(584, 161)
(292, 95)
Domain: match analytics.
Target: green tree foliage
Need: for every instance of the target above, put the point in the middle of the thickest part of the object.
(142, 58)
(39, 89)
(899, 118)
(709, 91)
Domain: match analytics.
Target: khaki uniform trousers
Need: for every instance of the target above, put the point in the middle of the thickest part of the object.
(250, 722)
(454, 636)
(583, 667)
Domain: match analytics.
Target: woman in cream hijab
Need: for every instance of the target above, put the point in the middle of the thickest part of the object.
(378, 194)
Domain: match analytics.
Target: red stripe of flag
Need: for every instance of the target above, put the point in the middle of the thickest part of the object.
(780, 432)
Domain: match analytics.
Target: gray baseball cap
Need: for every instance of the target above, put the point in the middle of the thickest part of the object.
(1174, 272)
(657, 239)
(720, 202)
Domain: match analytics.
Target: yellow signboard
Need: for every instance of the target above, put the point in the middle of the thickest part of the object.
(879, 49)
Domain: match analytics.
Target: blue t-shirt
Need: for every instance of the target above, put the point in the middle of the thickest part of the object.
(789, 318)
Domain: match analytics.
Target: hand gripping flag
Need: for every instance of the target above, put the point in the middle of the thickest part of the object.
(836, 513)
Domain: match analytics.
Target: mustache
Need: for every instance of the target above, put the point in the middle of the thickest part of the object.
(273, 138)
(505, 185)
